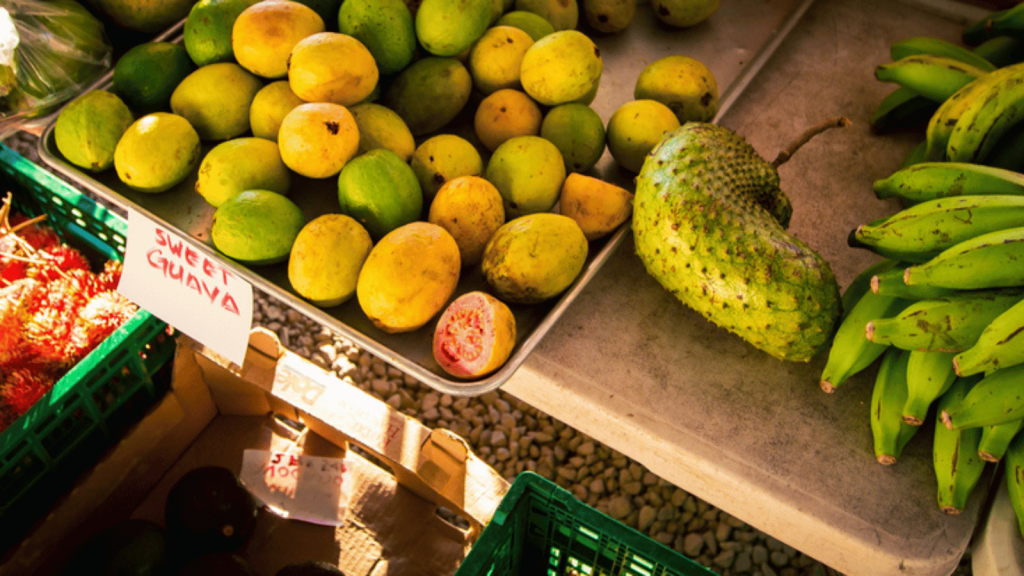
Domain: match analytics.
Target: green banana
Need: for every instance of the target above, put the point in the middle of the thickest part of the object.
(997, 398)
(935, 225)
(902, 108)
(861, 285)
(990, 260)
(935, 46)
(941, 124)
(1000, 344)
(955, 456)
(946, 324)
(890, 283)
(929, 375)
(996, 439)
(1014, 466)
(1007, 22)
(990, 113)
(850, 351)
(1001, 51)
(934, 77)
(930, 180)
(888, 430)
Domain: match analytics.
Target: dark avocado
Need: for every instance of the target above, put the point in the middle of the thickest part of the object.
(130, 548)
(310, 569)
(208, 510)
(217, 564)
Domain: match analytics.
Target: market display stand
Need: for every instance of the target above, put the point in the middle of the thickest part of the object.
(754, 436)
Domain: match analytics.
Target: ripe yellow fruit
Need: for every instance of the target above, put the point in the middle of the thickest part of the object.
(471, 210)
(264, 34)
(318, 139)
(635, 129)
(597, 206)
(332, 67)
(683, 84)
(506, 114)
(496, 59)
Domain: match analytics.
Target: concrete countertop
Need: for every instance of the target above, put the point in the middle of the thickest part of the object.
(755, 436)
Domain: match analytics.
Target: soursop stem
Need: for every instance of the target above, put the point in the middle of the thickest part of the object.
(836, 122)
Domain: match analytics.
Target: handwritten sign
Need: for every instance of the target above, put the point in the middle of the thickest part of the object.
(308, 488)
(176, 282)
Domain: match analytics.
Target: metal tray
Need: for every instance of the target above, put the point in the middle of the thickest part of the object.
(734, 44)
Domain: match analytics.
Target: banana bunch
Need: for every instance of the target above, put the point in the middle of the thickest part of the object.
(942, 313)
(971, 100)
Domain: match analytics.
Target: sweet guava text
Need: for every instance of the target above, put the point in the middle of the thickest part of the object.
(183, 264)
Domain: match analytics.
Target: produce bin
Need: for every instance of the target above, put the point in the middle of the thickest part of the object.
(88, 409)
(541, 528)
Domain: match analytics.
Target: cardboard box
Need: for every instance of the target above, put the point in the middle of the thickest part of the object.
(216, 410)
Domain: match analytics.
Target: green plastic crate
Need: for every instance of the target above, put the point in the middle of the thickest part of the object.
(540, 529)
(87, 411)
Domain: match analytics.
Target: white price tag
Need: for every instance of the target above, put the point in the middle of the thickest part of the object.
(176, 282)
(308, 488)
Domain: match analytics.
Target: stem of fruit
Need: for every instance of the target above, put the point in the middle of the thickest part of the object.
(785, 155)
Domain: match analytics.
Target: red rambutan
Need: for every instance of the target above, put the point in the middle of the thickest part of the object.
(11, 317)
(11, 270)
(111, 275)
(99, 318)
(38, 235)
(59, 258)
(23, 387)
(47, 334)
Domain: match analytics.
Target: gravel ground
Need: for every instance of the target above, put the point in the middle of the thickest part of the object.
(513, 436)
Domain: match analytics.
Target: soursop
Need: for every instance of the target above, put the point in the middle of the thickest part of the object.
(709, 223)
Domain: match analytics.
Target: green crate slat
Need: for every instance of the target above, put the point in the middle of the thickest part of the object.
(541, 529)
(88, 409)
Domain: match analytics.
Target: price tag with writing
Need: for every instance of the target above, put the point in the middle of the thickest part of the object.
(309, 488)
(167, 275)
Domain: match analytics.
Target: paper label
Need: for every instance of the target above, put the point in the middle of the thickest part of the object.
(178, 283)
(308, 488)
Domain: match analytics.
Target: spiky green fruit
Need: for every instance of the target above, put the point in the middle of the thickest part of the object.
(709, 223)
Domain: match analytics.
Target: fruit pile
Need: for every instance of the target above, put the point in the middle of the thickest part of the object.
(944, 309)
(369, 93)
(53, 310)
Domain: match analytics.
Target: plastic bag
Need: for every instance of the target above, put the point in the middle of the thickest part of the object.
(49, 52)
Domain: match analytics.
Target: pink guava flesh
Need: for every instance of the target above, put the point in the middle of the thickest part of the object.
(464, 337)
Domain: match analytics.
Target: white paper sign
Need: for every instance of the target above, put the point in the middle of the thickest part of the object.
(176, 282)
(308, 488)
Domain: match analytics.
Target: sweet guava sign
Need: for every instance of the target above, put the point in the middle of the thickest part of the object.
(178, 283)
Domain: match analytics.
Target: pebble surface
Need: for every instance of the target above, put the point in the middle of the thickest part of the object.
(513, 437)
